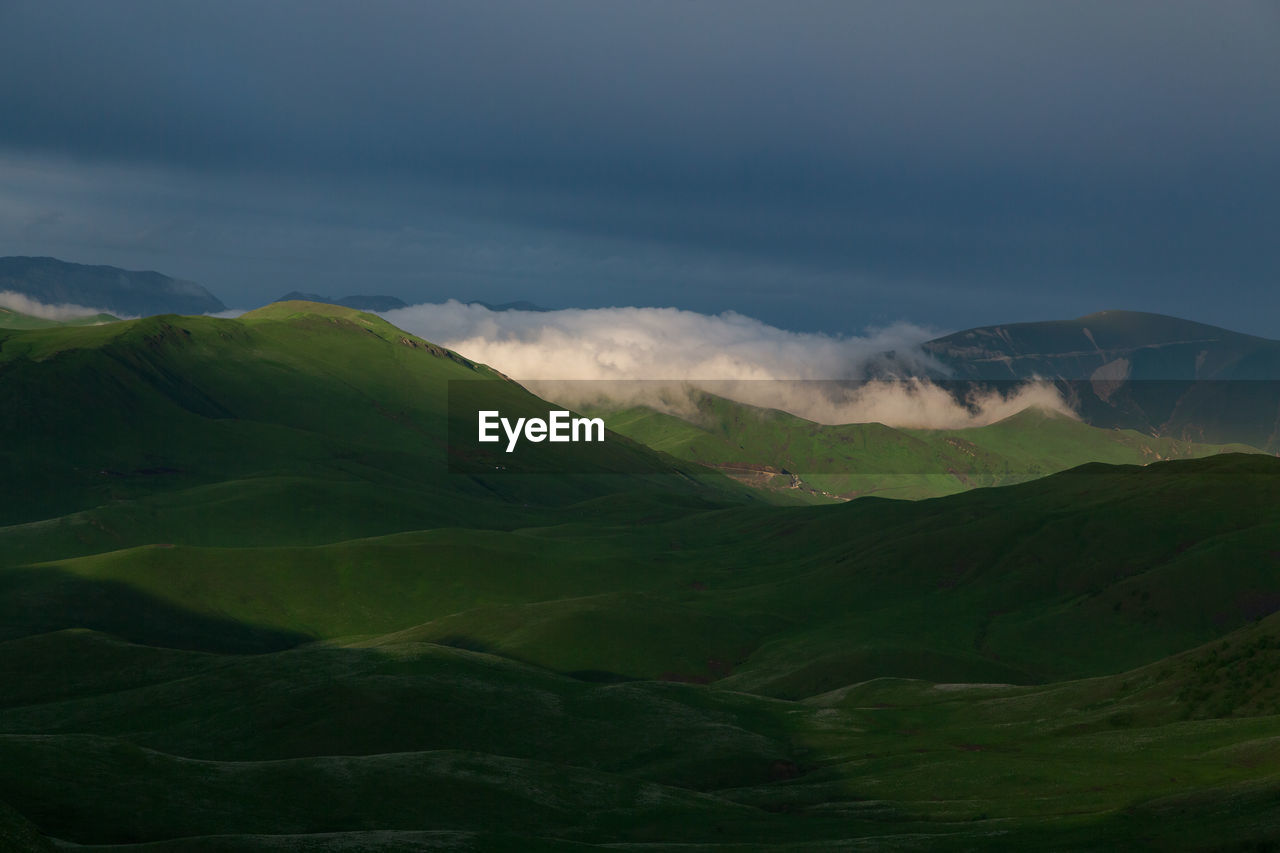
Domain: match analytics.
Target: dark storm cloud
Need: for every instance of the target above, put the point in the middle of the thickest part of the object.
(909, 159)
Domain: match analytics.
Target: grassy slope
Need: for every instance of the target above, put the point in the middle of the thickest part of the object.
(298, 422)
(852, 460)
(332, 742)
(1074, 575)
(482, 657)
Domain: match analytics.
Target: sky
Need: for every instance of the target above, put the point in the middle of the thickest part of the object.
(820, 166)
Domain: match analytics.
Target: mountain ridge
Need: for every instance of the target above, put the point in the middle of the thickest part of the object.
(1149, 372)
(115, 290)
(1076, 349)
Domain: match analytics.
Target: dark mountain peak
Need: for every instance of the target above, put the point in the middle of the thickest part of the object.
(137, 292)
(1103, 330)
(1133, 343)
(1035, 416)
(1145, 328)
(1150, 372)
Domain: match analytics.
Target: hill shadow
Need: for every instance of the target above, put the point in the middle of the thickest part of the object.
(40, 600)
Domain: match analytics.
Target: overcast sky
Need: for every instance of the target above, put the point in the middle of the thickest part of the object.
(818, 165)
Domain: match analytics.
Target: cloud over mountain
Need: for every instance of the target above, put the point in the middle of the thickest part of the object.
(652, 343)
(626, 351)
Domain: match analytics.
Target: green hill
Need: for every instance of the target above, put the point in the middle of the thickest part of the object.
(409, 745)
(1078, 574)
(248, 602)
(295, 423)
(780, 452)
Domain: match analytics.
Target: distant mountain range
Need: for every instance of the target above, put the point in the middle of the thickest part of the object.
(366, 302)
(133, 293)
(119, 291)
(359, 301)
(519, 305)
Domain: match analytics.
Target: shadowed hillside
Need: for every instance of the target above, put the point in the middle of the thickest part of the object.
(297, 420)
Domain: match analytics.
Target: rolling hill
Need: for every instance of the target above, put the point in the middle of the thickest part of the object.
(296, 416)
(862, 666)
(249, 601)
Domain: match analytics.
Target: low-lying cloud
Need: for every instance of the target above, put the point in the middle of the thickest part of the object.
(652, 343)
(727, 354)
(24, 304)
(914, 403)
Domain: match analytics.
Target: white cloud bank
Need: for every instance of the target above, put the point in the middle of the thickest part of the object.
(723, 353)
(26, 305)
(648, 343)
